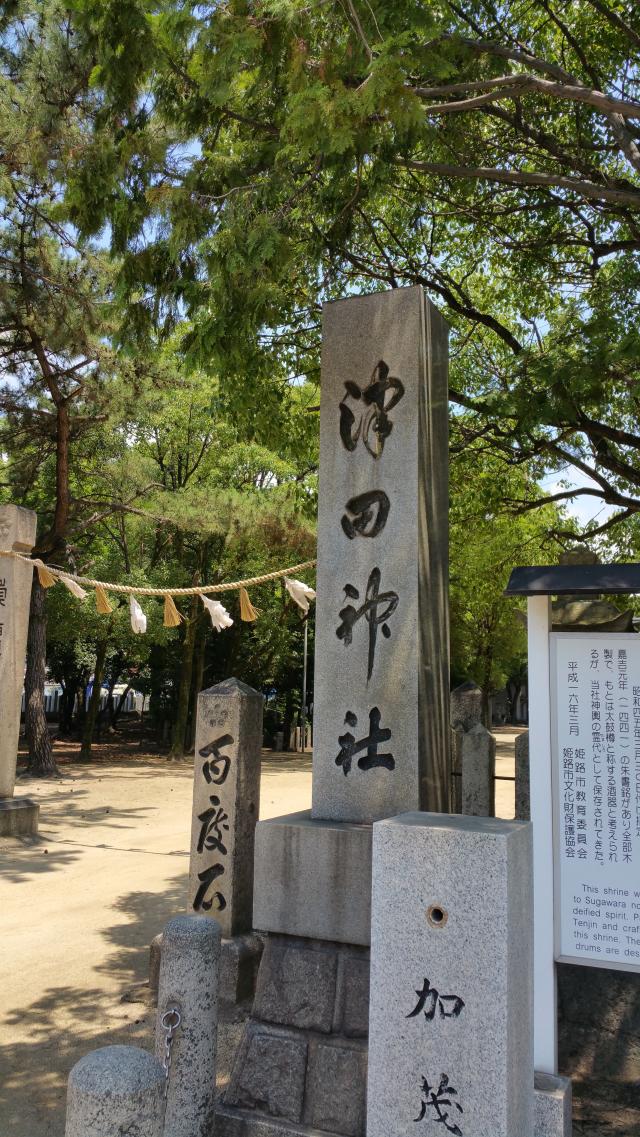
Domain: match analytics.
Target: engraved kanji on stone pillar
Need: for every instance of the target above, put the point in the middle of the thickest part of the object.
(17, 533)
(381, 729)
(226, 796)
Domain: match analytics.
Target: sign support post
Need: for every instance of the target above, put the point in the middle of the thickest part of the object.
(545, 1015)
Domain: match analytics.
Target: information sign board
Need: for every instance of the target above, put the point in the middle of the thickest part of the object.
(595, 745)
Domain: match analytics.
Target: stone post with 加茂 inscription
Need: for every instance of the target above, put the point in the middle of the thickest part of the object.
(451, 978)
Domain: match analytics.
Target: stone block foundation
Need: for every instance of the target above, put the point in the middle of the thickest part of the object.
(302, 1065)
(19, 817)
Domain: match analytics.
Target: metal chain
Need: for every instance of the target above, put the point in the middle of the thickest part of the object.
(170, 1023)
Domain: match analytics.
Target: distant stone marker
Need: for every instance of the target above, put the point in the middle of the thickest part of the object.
(381, 733)
(18, 533)
(226, 797)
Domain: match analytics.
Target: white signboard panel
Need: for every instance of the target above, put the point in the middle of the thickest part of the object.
(595, 739)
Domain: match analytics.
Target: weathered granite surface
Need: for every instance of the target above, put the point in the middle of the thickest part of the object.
(301, 1066)
(551, 1106)
(465, 706)
(451, 984)
(239, 961)
(381, 628)
(189, 981)
(477, 775)
(17, 533)
(18, 816)
(226, 798)
(116, 1090)
(313, 878)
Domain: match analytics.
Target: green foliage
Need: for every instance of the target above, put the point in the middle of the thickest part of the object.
(318, 150)
(488, 637)
(183, 185)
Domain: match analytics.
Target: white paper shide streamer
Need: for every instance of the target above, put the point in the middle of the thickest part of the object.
(138, 618)
(220, 618)
(74, 587)
(300, 592)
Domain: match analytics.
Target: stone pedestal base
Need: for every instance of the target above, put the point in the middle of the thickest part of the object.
(239, 1123)
(239, 962)
(18, 817)
(551, 1106)
(313, 879)
(302, 1065)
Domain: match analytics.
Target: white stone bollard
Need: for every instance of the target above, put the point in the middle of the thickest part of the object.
(189, 974)
(113, 1091)
(451, 1011)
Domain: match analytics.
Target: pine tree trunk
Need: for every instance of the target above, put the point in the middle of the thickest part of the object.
(94, 702)
(41, 760)
(179, 735)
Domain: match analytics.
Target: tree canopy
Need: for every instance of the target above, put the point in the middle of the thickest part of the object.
(488, 152)
(183, 185)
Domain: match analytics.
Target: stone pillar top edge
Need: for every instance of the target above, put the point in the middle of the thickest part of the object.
(305, 819)
(232, 686)
(483, 826)
(18, 528)
(363, 295)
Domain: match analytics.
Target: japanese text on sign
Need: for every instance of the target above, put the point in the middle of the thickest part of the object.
(596, 750)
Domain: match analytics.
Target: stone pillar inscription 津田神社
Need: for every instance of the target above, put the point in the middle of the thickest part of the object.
(381, 730)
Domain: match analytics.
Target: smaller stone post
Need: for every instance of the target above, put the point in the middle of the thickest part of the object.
(226, 798)
(474, 754)
(478, 761)
(451, 1010)
(17, 533)
(189, 974)
(523, 808)
(118, 1089)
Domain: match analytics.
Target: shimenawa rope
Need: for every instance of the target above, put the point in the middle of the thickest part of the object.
(138, 590)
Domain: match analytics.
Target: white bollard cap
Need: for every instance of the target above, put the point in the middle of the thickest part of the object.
(114, 1087)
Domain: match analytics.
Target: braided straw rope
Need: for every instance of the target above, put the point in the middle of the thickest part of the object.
(128, 589)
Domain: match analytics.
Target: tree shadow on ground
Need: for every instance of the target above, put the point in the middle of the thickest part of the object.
(67, 1021)
(45, 853)
(41, 860)
(147, 914)
(599, 1048)
(101, 771)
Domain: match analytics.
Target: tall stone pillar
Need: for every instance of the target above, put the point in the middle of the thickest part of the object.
(17, 533)
(381, 721)
(381, 716)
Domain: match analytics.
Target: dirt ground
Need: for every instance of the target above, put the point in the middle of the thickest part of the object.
(81, 904)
